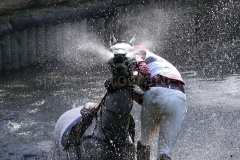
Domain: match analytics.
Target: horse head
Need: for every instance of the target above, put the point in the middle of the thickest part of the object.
(122, 46)
(122, 64)
(107, 130)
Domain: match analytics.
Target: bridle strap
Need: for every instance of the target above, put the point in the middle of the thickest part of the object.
(100, 104)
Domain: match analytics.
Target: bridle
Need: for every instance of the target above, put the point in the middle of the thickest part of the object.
(122, 69)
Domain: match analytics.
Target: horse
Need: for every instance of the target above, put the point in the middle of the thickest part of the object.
(106, 131)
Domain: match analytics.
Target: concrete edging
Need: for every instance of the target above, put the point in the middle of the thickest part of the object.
(55, 18)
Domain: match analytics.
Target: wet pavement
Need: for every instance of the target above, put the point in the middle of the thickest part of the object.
(212, 128)
(31, 102)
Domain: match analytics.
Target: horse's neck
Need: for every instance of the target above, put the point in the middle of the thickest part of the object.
(115, 115)
(119, 101)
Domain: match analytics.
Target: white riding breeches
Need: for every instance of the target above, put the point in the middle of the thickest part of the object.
(165, 109)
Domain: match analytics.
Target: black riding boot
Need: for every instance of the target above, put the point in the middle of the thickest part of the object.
(143, 152)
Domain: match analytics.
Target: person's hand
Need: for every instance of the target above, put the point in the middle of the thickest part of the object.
(88, 107)
(138, 78)
(138, 97)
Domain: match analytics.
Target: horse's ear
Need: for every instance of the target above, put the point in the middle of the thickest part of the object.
(132, 41)
(113, 40)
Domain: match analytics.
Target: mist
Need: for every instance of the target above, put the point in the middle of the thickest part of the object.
(194, 37)
(84, 50)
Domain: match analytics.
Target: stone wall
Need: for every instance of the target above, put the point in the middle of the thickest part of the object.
(46, 38)
(8, 6)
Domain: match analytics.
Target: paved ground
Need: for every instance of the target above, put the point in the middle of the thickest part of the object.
(31, 102)
(212, 128)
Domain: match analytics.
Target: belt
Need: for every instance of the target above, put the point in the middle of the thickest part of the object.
(168, 86)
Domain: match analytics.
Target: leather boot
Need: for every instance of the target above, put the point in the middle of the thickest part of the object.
(143, 152)
(163, 157)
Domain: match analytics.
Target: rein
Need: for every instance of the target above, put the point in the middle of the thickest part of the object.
(79, 128)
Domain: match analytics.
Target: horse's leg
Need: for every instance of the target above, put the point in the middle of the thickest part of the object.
(95, 149)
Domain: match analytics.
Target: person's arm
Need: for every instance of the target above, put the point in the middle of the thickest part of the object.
(138, 97)
(142, 73)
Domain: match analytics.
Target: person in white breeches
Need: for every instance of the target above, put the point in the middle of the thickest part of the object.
(165, 109)
(163, 106)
